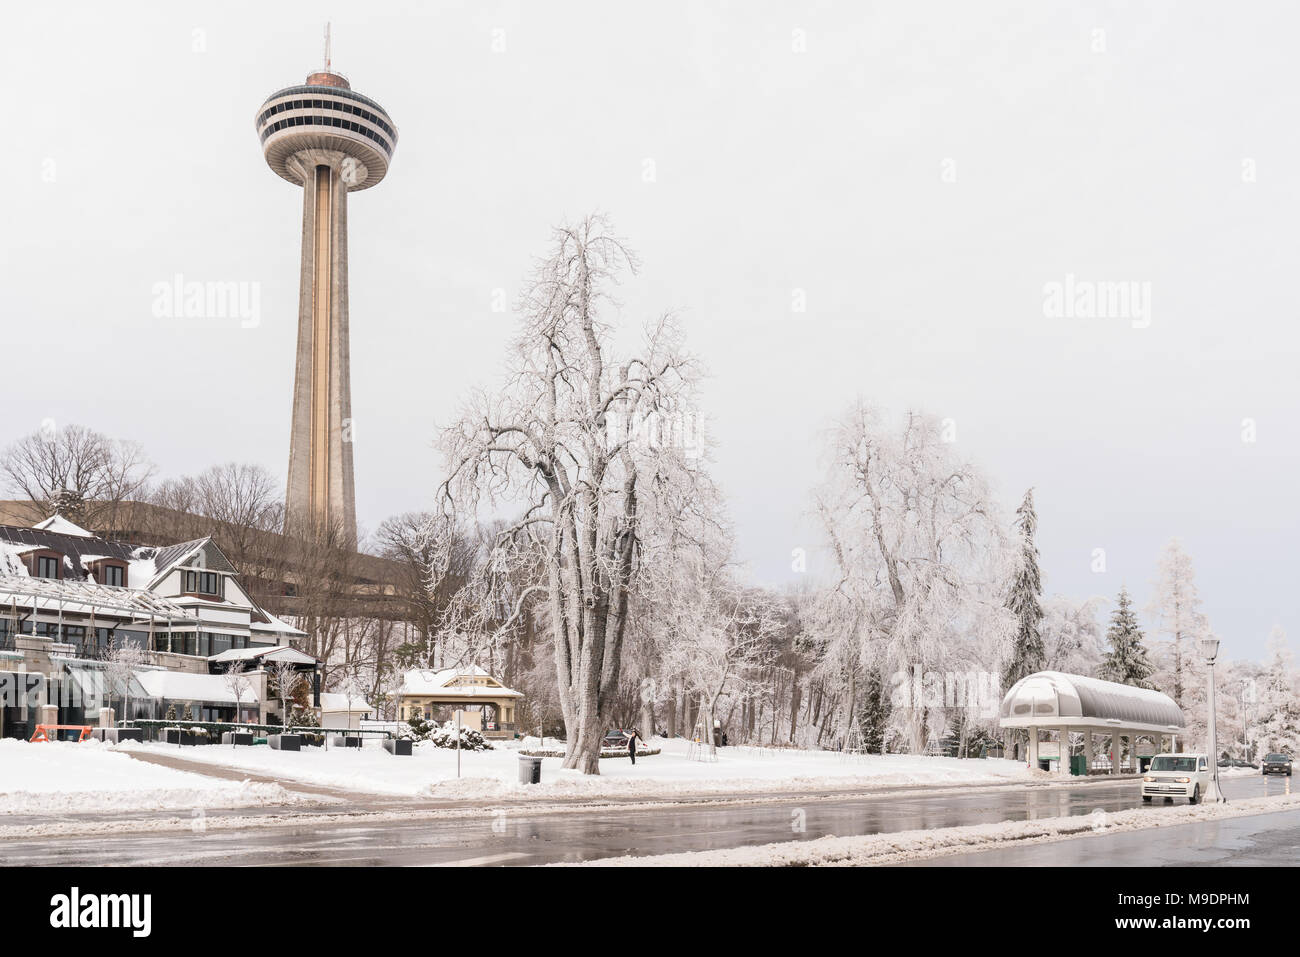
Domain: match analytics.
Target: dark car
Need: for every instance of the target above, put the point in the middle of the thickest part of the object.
(614, 739)
(1276, 763)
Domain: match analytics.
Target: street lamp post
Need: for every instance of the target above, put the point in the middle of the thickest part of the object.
(1210, 651)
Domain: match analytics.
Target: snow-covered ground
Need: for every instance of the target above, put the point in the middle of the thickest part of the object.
(897, 847)
(61, 776)
(431, 772)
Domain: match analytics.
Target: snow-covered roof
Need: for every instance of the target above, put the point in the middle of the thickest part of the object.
(79, 548)
(1052, 699)
(183, 686)
(275, 625)
(333, 701)
(265, 655)
(57, 523)
(455, 682)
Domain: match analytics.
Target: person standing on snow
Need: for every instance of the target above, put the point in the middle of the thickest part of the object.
(631, 743)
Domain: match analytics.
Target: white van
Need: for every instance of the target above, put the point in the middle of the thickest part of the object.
(1177, 775)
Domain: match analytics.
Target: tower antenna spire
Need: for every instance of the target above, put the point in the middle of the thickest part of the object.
(327, 47)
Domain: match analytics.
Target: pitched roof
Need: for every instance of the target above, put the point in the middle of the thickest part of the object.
(448, 682)
(333, 701)
(263, 655)
(79, 549)
(57, 523)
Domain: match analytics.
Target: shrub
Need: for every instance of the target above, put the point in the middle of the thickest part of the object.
(470, 740)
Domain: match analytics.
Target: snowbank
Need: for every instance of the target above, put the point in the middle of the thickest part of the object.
(89, 776)
(431, 772)
(900, 846)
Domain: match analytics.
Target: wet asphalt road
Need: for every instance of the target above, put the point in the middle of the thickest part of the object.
(1261, 840)
(515, 837)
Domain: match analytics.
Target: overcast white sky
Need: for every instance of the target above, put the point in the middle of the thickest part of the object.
(130, 156)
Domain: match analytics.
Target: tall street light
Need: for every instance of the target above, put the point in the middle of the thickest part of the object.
(1210, 651)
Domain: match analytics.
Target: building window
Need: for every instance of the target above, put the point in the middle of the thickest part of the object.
(47, 567)
(113, 575)
(202, 583)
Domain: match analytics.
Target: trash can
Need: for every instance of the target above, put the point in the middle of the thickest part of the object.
(1044, 764)
(1078, 764)
(530, 770)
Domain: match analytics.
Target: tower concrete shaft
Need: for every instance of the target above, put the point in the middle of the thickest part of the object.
(329, 139)
(321, 493)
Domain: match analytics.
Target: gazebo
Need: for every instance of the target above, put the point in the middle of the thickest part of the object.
(436, 695)
(1065, 703)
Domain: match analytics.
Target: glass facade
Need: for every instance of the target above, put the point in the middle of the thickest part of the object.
(88, 643)
(316, 91)
(346, 108)
(326, 122)
(203, 644)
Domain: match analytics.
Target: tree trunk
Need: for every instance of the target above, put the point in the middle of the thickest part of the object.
(794, 706)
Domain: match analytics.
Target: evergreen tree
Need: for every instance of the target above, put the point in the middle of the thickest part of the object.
(1027, 652)
(1126, 662)
(873, 715)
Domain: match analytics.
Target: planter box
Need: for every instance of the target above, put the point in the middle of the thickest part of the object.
(285, 742)
(237, 737)
(183, 737)
(339, 741)
(398, 746)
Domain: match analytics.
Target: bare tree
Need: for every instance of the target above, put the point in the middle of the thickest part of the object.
(124, 658)
(84, 472)
(585, 444)
(239, 683)
(287, 680)
(437, 562)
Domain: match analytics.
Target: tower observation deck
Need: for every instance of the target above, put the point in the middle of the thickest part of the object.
(331, 141)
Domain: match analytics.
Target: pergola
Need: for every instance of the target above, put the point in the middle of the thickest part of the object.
(86, 597)
(52, 596)
(1065, 703)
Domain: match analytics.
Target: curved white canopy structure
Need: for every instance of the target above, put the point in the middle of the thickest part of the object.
(1053, 699)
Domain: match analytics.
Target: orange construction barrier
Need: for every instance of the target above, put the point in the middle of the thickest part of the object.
(43, 731)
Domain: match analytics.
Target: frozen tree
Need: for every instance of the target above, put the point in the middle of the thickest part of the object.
(726, 633)
(918, 551)
(592, 449)
(1126, 662)
(1279, 727)
(123, 660)
(1175, 606)
(1023, 600)
(1072, 636)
